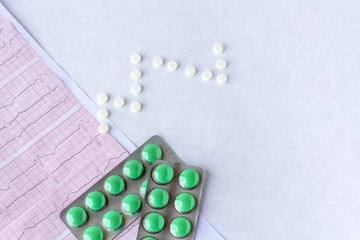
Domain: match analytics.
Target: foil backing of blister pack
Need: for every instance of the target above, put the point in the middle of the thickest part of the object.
(169, 212)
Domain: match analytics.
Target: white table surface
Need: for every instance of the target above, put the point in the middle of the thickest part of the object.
(279, 142)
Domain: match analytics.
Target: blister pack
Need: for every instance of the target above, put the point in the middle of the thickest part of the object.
(171, 202)
(116, 200)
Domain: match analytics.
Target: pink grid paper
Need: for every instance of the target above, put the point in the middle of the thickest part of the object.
(49, 145)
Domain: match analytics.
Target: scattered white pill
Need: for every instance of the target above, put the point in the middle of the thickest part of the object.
(221, 64)
(172, 66)
(207, 75)
(158, 62)
(103, 113)
(218, 48)
(136, 88)
(104, 128)
(119, 102)
(136, 106)
(190, 71)
(222, 78)
(102, 98)
(136, 58)
(136, 74)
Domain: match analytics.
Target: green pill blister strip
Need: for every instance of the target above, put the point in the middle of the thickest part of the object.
(116, 200)
(171, 201)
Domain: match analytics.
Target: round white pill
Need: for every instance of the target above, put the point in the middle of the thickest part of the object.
(136, 58)
(207, 75)
(222, 78)
(158, 62)
(103, 113)
(221, 64)
(136, 74)
(136, 106)
(104, 128)
(136, 88)
(102, 98)
(218, 48)
(172, 66)
(190, 71)
(119, 102)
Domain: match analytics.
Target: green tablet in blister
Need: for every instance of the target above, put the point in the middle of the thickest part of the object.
(184, 202)
(143, 187)
(163, 174)
(76, 216)
(131, 203)
(93, 233)
(133, 169)
(189, 178)
(151, 153)
(95, 200)
(148, 238)
(158, 198)
(114, 184)
(112, 220)
(180, 227)
(153, 222)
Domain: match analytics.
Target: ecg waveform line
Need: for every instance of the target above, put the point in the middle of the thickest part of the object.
(67, 160)
(42, 220)
(5, 44)
(47, 177)
(19, 175)
(81, 125)
(98, 173)
(68, 195)
(38, 157)
(24, 90)
(7, 124)
(35, 121)
(12, 56)
(113, 159)
(6, 209)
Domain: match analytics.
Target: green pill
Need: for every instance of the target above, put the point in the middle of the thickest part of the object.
(163, 174)
(114, 184)
(143, 187)
(95, 201)
(93, 233)
(189, 178)
(153, 222)
(76, 216)
(180, 227)
(131, 203)
(133, 169)
(184, 202)
(112, 220)
(148, 238)
(151, 153)
(158, 198)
